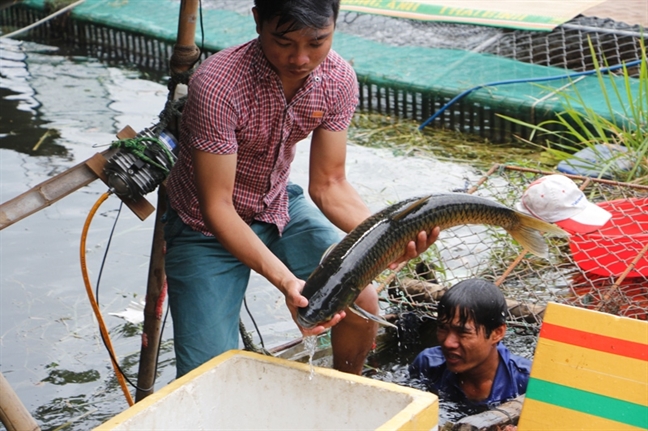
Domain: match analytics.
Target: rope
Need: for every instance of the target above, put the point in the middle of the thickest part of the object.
(505, 413)
(172, 110)
(44, 20)
(95, 307)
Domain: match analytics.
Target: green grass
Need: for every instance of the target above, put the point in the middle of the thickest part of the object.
(578, 126)
(404, 138)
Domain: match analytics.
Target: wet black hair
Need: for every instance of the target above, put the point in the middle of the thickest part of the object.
(298, 14)
(475, 299)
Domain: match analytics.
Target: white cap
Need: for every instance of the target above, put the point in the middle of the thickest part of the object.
(557, 199)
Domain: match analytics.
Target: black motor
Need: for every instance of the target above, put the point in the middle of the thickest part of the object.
(141, 163)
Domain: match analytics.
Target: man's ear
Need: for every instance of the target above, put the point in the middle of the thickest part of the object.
(256, 20)
(498, 333)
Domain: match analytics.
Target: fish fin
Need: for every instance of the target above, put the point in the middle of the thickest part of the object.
(328, 251)
(527, 233)
(367, 315)
(409, 208)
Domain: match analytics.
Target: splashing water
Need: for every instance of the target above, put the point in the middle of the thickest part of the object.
(310, 344)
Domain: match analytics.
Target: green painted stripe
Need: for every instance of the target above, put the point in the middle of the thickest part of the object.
(588, 402)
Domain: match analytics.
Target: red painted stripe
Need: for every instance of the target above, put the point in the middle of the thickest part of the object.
(593, 341)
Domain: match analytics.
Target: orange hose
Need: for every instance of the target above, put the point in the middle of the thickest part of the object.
(93, 301)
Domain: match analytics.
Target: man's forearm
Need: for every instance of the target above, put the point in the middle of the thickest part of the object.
(240, 240)
(341, 204)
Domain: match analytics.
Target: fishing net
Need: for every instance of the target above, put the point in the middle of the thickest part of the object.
(605, 271)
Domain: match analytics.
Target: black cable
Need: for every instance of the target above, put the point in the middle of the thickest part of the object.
(110, 353)
(202, 27)
(253, 322)
(105, 256)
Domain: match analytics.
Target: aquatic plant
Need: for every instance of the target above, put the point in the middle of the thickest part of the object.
(403, 138)
(579, 126)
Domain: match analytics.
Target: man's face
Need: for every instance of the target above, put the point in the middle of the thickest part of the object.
(296, 54)
(465, 347)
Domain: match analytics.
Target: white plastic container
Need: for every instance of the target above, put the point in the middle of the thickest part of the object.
(240, 390)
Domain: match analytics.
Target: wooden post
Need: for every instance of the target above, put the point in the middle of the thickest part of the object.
(187, 23)
(185, 54)
(13, 414)
(155, 295)
(185, 51)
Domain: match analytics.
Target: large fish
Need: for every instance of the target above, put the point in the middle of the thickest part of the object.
(367, 250)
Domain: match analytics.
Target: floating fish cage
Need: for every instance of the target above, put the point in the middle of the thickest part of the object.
(597, 272)
(566, 47)
(116, 47)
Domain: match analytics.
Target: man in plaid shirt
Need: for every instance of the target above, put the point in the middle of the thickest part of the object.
(232, 207)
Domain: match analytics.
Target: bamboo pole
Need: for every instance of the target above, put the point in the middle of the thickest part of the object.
(13, 414)
(155, 294)
(56, 188)
(45, 194)
(185, 54)
(185, 51)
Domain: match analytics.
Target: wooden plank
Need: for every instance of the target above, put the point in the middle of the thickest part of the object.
(590, 372)
(141, 207)
(568, 419)
(585, 320)
(494, 419)
(606, 374)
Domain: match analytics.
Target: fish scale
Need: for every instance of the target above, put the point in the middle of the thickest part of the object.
(367, 250)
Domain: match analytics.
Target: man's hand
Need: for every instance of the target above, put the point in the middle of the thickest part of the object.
(295, 300)
(415, 248)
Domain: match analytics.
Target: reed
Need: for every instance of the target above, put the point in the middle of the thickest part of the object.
(578, 126)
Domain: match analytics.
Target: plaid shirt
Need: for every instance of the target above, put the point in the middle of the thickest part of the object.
(236, 105)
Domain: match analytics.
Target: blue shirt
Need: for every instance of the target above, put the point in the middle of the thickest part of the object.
(511, 378)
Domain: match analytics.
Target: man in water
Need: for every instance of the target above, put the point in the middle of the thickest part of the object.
(232, 208)
(471, 366)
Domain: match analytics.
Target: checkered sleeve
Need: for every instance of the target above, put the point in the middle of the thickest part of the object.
(344, 96)
(209, 117)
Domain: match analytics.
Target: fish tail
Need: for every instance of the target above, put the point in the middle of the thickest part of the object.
(527, 234)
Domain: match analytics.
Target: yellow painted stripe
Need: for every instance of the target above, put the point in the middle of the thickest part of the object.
(537, 416)
(595, 322)
(426, 419)
(598, 372)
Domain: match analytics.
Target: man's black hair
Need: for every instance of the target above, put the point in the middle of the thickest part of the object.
(478, 300)
(298, 14)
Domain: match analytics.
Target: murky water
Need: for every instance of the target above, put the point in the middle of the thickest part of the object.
(51, 353)
(72, 107)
